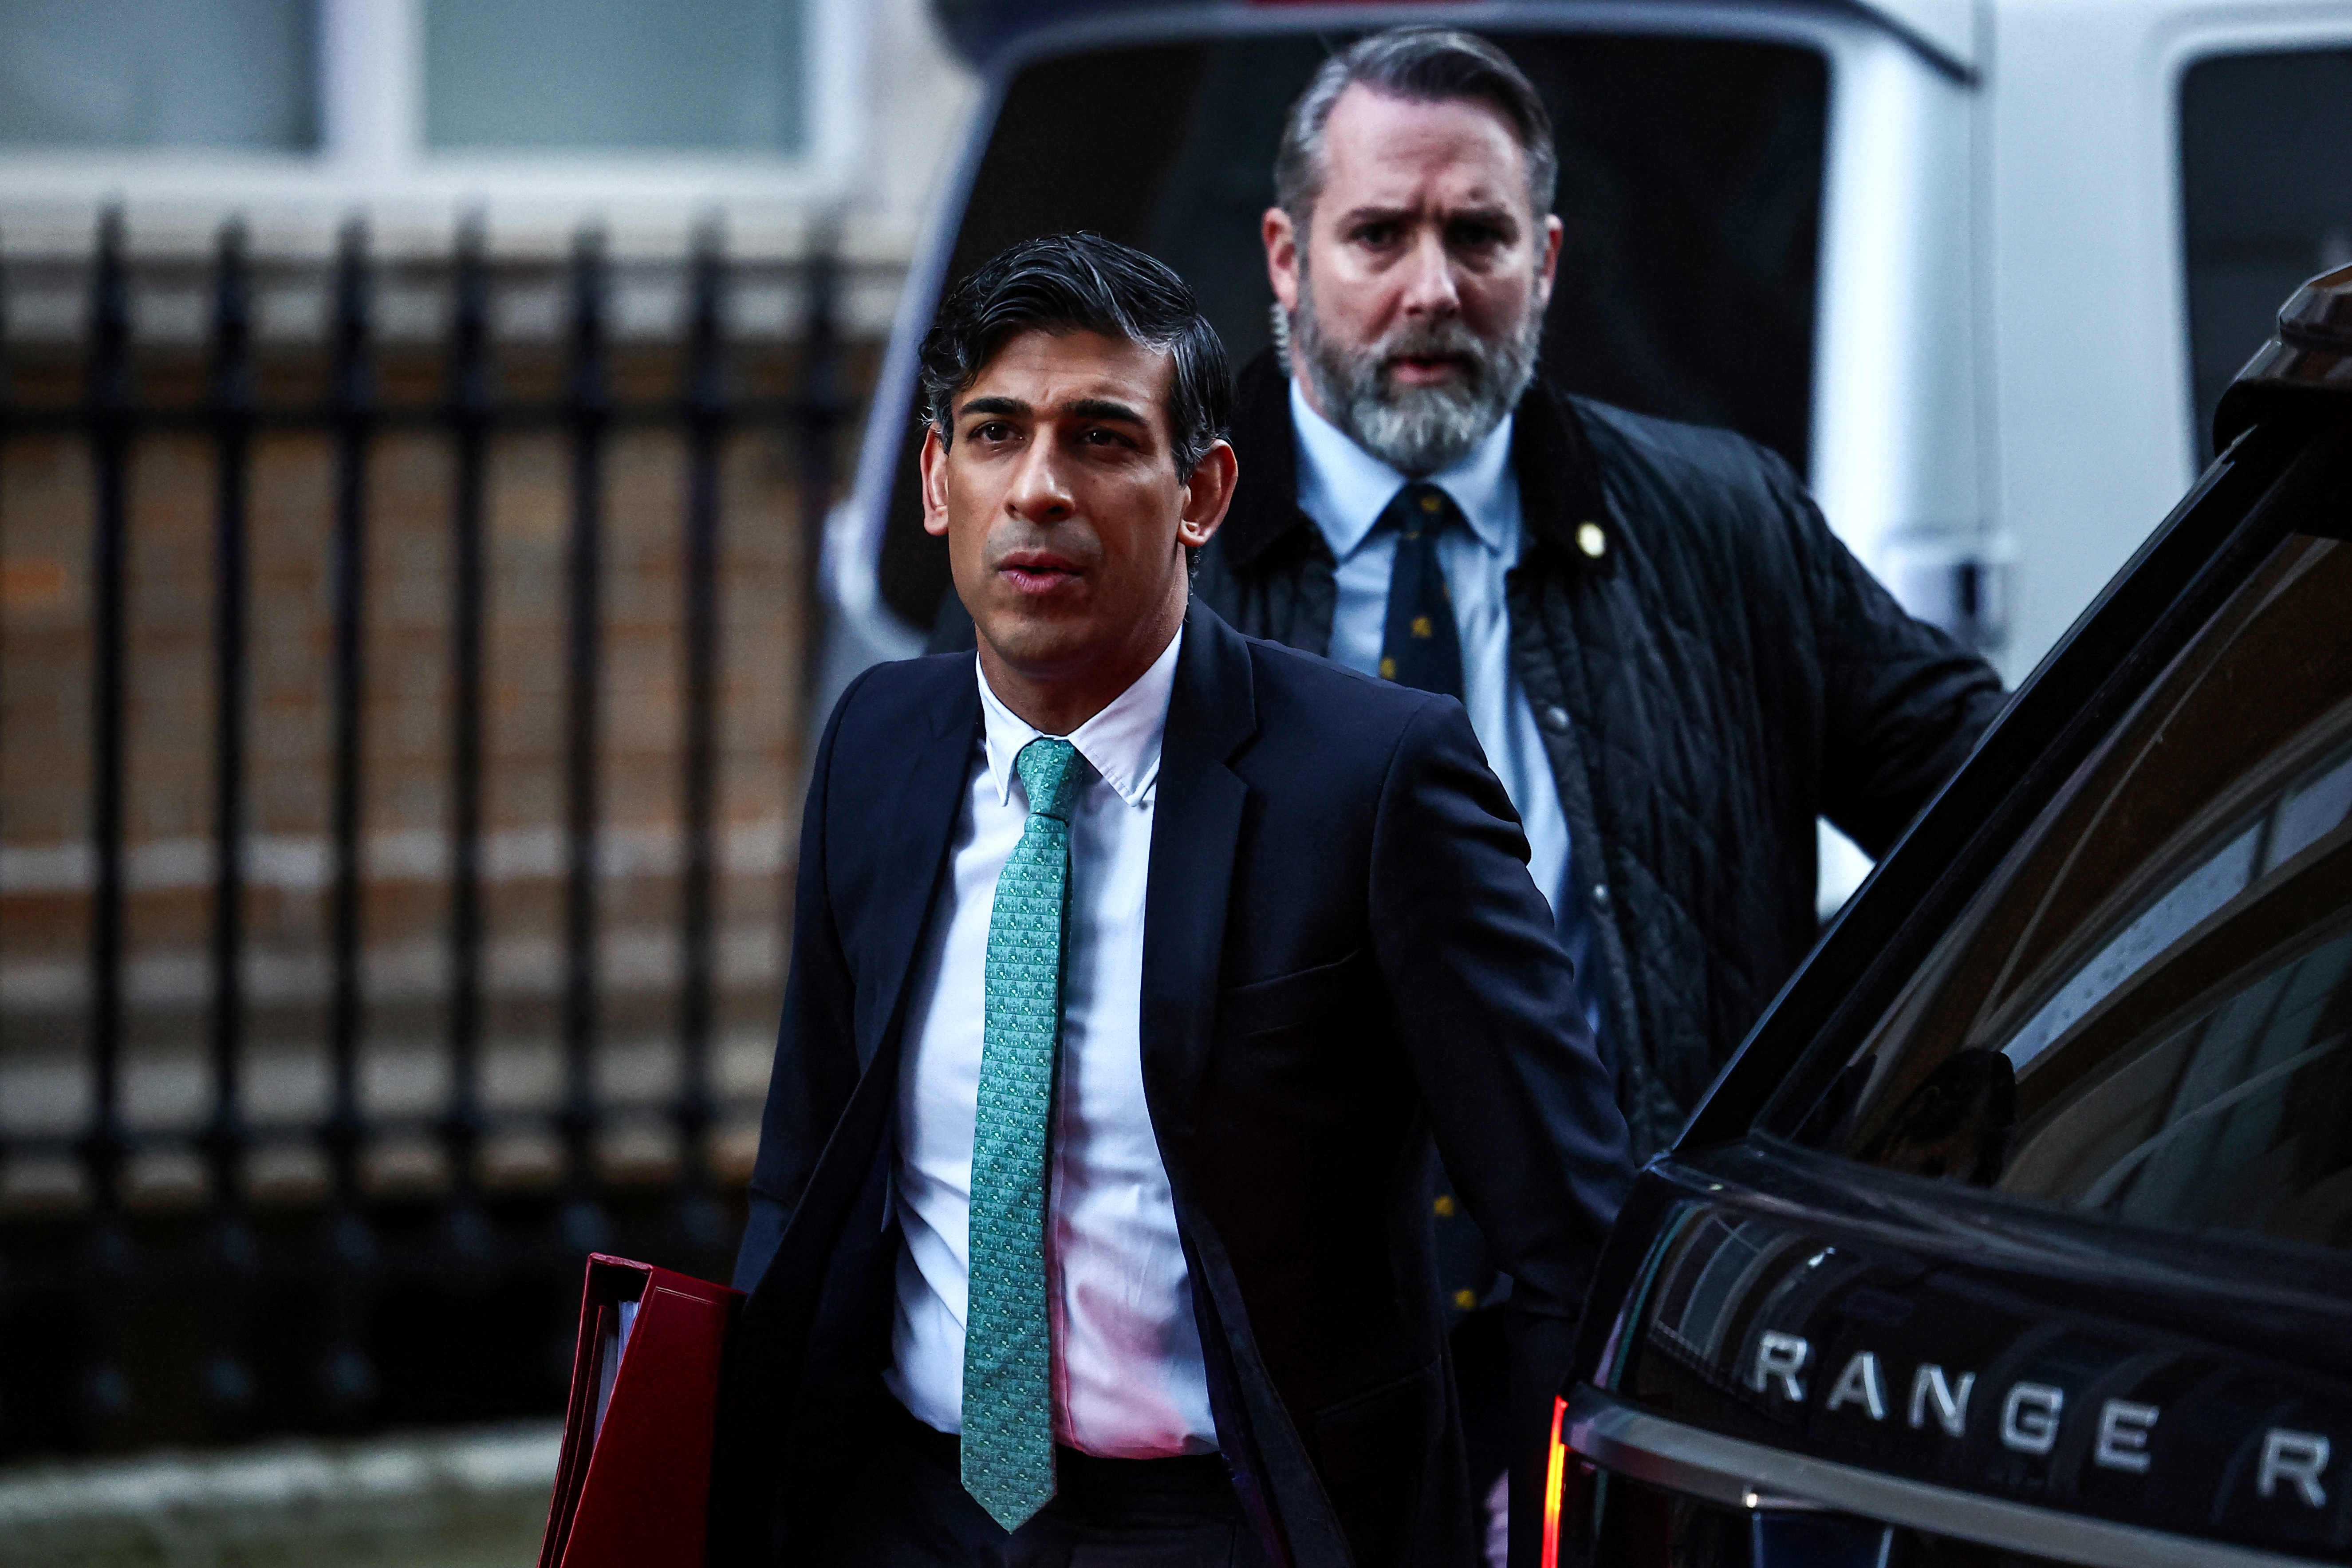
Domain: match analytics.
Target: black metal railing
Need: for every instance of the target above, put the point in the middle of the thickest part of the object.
(357, 1306)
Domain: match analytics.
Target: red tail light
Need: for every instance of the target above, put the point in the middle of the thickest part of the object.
(1555, 1474)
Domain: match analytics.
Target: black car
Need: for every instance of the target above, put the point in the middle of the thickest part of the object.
(2018, 1231)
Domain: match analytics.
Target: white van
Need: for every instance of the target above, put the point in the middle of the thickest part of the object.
(1978, 267)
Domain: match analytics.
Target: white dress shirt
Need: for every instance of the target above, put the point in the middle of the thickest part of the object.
(1127, 1378)
(1344, 489)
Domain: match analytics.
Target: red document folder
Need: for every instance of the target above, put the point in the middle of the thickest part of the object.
(633, 1482)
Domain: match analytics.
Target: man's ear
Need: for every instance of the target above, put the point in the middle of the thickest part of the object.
(1548, 270)
(934, 462)
(1207, 494)
(1282, 243)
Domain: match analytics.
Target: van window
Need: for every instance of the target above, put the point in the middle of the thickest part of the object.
(238, 75)
(2147, 1014)
(2265, 200)
(1690, 185)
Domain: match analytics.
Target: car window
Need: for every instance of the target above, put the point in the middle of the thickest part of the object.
(1690, 186)
(2266, 199)
(2147, 1011)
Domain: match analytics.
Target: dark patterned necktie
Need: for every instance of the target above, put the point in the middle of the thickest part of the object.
(1421, 646)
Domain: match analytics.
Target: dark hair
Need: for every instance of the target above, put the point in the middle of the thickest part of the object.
(1082, 283)
(1421, 65)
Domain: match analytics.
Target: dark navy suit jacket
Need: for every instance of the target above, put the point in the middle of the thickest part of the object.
(1345, 963)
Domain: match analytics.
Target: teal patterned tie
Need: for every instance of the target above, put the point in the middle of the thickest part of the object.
(1008, 1351)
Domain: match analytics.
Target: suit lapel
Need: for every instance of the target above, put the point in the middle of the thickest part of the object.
(1196, 821)
(914, 829)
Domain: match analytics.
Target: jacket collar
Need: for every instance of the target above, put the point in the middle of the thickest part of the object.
(1559, 479)
(925, 789)
(1266, 495)
(1195, 828)
(1121, 743)
(1196, 823)
(1213, 708)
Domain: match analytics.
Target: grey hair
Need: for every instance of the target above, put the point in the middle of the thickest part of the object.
(1421, 65)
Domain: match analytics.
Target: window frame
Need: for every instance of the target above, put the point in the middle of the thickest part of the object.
(371, 150)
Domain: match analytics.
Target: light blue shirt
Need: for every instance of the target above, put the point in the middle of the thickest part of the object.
(1345, 488)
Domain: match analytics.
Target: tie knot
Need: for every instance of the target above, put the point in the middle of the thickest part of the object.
(1421, 510)
(1050, 772)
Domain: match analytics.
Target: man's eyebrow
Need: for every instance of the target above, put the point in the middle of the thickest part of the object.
(1007, 406)
(1103, 408)
(1493, 212)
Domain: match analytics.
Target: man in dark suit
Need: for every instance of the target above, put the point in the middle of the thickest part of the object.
(1138, 972)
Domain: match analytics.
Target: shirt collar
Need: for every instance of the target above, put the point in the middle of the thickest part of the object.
(1345, 488)
(1121, 743)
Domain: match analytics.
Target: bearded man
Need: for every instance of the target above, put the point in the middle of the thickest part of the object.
(1671, 663)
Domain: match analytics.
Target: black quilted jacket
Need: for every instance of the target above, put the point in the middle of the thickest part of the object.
(1717, 675)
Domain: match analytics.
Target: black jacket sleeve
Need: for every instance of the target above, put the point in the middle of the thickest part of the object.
(1524, 1113)
(1904, 703)
(814, 1067)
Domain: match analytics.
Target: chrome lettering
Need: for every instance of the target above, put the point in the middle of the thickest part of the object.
(2029, 1417)
(1860, 1384)
(1780, 1357)
(2123, 1436)
(1951, 1404)
(2294, 1456)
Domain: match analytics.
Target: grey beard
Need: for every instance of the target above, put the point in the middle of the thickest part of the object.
(1416, 430)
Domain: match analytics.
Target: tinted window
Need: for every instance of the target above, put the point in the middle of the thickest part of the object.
(2146, 1011)
(702, 75)
(159, 73)
(1690, 185)
(2266, 199)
